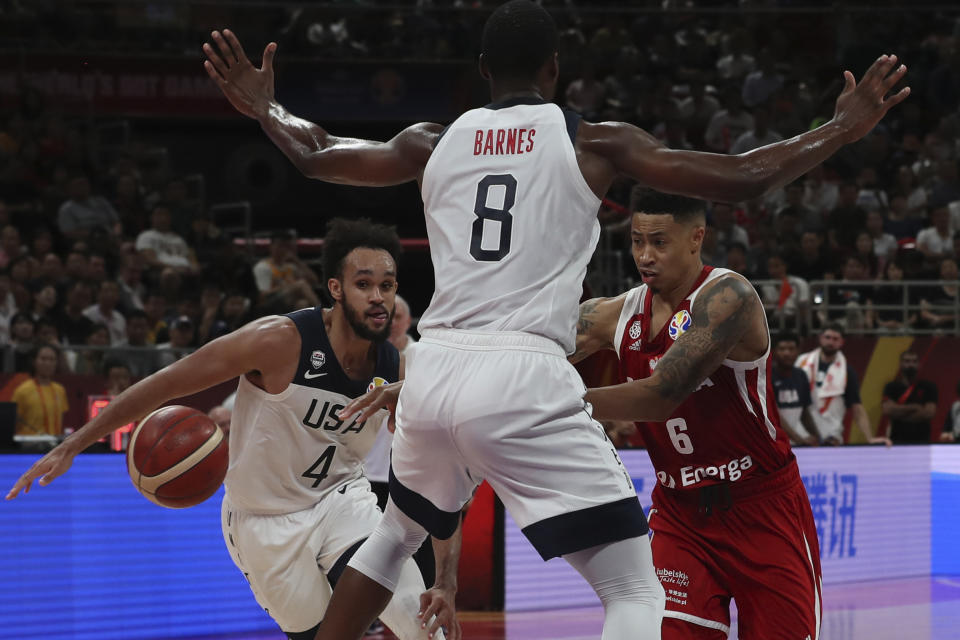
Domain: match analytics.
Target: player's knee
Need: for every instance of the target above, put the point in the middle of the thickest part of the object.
(638, 589)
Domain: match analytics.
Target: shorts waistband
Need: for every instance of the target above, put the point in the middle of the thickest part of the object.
(713, 496)
(493, 341)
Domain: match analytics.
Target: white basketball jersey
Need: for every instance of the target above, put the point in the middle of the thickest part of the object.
(511, 221)
(288, 450)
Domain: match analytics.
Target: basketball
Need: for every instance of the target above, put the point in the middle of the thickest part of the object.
(177, 457)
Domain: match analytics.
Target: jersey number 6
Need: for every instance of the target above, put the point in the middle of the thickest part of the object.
(680, 440)
(502, 215)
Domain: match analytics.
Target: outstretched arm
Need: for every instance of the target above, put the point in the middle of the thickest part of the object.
(228, 357)
(597, 325)
(722, 314)
(743, 177)
(316, 153)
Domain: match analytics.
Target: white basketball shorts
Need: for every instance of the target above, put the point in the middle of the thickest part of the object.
(508, 407)
(286, 557)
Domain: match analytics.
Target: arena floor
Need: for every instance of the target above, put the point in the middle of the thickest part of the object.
(914, 609)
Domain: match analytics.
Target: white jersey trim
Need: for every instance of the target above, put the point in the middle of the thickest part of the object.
(632, 304)
(703, 622)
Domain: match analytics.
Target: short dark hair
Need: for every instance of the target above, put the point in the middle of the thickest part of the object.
(113, 363)
(518, 38)
(684, 210)
(343, 236)
(785, 336)
(135, 313)
(833, 326)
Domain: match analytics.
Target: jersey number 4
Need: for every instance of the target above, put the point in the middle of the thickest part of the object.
(501, 215)
(322, 464)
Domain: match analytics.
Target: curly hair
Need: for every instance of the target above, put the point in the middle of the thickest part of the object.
(345, 235)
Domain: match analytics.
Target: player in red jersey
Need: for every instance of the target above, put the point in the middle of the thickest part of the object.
(729, 514)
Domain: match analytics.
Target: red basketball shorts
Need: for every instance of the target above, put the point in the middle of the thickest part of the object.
(759, 548)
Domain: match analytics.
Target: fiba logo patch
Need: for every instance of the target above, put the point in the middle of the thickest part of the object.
(679, 324)
(317, 358)
(376, 382)
(636, 329)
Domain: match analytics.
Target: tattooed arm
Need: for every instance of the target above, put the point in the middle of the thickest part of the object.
(597, 325)
(722, 315)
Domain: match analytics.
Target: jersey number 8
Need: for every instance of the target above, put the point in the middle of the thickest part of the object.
(502, 215)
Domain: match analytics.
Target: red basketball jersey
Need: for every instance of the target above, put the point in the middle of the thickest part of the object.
(725, 431)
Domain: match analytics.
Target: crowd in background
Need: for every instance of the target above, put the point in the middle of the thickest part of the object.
(112, 257)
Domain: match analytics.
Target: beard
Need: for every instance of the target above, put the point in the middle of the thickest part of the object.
(909, 373)
(355, 319)
(828, 351)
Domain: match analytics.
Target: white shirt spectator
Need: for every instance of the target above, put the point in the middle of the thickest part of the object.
(725, 128)
(885, 247)
(171, 250)
(759, 86)
(799, 294)
(736, 235)
(92, 213)
(7, 310)
(931, 241)
(116, 324)
(735, 66)
(820, 197)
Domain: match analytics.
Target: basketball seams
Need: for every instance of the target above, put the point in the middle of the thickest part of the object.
(152, 483)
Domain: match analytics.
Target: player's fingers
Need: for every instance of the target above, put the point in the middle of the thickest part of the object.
(894, 77)
(235, 45)
(215, 60)
(453, 631)
(424, 603)
(849, 83)
(229, 57)
(897, 98)
(434, 627)
(877, 70)
(213, 73)
(268, 54)
(17, 487)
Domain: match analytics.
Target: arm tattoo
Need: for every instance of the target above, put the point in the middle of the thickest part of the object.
(720, 318)
(586, 319)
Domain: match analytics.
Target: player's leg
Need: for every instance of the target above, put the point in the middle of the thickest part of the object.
(275, 555)
(622, 575)
(697, 603)
(776, 580)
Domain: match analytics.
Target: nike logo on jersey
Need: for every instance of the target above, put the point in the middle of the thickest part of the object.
(311, 376)
(342, 490)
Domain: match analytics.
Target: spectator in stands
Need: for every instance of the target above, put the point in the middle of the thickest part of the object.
(737, 63)
(835, 389)
(761, 84)
(8, 307)
(162, 248)
(812, 263)
(759, 135)
(909, 403)
(118, 376)
(737, 258)
(284, 282)
(793, 392)
(205, 239)
(128, 202)
(50, 272)
(132, 289)
(793, 203)
(788, 300)
(908, 186)
(21, 273)
(41, 402)
(890, 295)
(939, 303)
(863, 249)
(710, 251)
(586, 94)
(84, 213)
(898, 222)
(728, 231)
(18, 355)
(847, 218)
(231, 314)
(44, 302)
(10, 247)
(73, 325)
(936, 241)
(819, 195)
(846, 301)
(76, 266)
(105, 312)
(944, 188)
(41, 244)
(90, 361)
(728, 123)
(156, 309)
(181, 338)
(951, 428)
(884, 244)
(870, 196)
(400, 326)
(140, 358)
(97, 269)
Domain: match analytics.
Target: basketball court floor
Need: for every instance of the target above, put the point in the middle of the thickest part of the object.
(904, 609)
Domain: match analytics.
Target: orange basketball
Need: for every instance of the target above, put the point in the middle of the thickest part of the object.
(177, 457)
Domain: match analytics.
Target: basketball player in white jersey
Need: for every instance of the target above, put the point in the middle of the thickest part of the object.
(511, 192)
(297, 504)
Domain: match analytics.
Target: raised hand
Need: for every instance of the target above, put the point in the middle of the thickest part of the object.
(249, 90)
(861, 106)
(53, 465)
